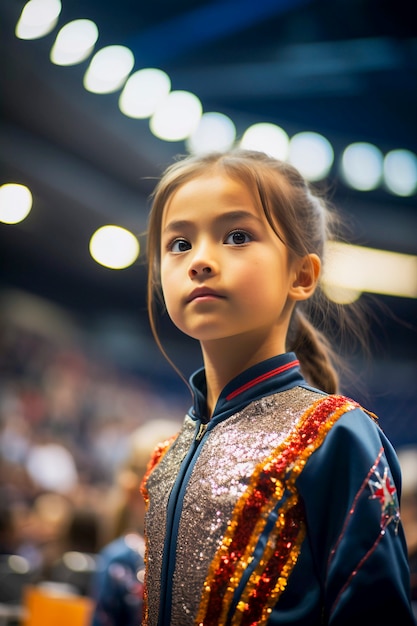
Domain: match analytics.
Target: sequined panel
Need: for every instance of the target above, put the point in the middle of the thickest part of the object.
(221, 475)
(244, 475)
(268, 582)
(271, 490)
(159, 483)
(270, 578)
(156, 457)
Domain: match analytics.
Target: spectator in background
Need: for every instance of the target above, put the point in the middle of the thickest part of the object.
(118, 585)
(7, 531)
(77, 563)
(408, 461)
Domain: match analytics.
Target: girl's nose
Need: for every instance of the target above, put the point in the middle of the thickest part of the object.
(199, 268)
(202, 262)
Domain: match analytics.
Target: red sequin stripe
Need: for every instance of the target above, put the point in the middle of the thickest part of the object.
(156, 456)
(261, 378)
(255, 609)
(243, 527)
(251, 512)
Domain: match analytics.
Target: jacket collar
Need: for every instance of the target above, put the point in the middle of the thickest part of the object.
(270, 376)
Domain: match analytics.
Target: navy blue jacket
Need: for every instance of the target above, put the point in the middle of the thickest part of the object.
(282, 509)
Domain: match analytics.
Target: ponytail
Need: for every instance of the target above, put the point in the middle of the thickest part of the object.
(314, 353)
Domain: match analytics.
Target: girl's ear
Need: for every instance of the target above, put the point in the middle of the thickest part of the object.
(307, 272)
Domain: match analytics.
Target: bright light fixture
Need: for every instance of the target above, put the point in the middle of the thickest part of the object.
(400, 172)
(38, 18)
(361, 166)
(108, 69)
(74, 42)
(352, 270)
(143, 92)
(215, 131)
(312, 154)
(177, 117)
(268, 138)
(15, 203)
(114, 247)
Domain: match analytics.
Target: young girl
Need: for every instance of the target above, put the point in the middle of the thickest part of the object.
(277, 503)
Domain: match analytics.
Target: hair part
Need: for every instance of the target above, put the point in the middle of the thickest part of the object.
(299, 216)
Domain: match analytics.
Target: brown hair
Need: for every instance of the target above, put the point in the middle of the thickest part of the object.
(306, 223)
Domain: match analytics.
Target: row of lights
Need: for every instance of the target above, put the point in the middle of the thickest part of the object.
(112, 246)
(349, 270)
(177, 115)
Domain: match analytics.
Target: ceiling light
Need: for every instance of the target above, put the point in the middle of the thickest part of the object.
(177, 117)
(114, 247)
(361, 166)
(215, 131)
(400, 172)
(74, 42)
(15, 203)
(360, 269)
(108, 69)
(38, 18)
(268, 138)
(143, 92)
(312, 154)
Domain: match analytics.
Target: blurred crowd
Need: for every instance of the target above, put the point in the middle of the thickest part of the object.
(75, 436)
(70, 462)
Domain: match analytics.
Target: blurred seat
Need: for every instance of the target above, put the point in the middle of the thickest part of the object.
(15, 574)
(55, 605)
(11, 614)
(76, 569)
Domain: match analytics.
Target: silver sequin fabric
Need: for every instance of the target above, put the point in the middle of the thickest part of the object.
(225, 463)
(159, 485)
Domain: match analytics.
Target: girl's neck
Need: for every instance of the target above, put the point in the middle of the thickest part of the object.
(227, 358)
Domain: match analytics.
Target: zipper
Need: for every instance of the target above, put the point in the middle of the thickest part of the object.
(200, 433)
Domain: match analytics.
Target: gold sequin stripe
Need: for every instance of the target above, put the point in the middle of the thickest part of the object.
(259, 597)
(249, 518)
(281, 554)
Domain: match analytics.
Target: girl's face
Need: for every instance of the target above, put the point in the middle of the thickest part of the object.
(224, 272)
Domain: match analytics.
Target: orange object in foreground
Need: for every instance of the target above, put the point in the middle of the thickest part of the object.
(45, 607)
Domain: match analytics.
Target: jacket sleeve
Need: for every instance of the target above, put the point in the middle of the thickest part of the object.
(351, 489)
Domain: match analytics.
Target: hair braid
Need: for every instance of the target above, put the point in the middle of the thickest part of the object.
(314, 353)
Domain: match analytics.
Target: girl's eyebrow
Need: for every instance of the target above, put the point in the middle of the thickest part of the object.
(229, 216)
(177, 225)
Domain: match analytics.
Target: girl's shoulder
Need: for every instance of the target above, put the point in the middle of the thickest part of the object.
(346, 445)
(335, 433)
(325, 411)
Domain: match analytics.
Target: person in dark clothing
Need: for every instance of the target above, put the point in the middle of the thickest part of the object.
(278, 502)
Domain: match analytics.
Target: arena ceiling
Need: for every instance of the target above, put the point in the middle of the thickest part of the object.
(344, 68)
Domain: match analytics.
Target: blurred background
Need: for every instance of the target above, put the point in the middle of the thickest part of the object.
(330, 85)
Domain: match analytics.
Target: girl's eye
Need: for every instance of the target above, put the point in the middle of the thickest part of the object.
(179, 245)
(238, 238)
